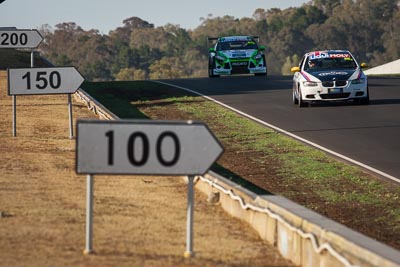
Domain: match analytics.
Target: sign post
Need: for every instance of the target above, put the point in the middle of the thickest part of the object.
(141, 147)
(189, 221)
(11, 37)
(43, 81)
(89, 214)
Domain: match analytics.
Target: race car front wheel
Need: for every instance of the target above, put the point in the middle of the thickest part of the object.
(211, 67)
(265, 65)
(364, 100)
(300, 102)
(294, 98)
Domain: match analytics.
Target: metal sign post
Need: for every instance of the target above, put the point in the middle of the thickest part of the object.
(145, 147)
(89, 214)
(189, 222)
(14, 101)
(71, 124)
(32, 58)
(11, 37)
(44, 81)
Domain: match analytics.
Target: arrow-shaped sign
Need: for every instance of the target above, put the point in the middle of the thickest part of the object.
(19, 38)
(145, 147)
(43, 81)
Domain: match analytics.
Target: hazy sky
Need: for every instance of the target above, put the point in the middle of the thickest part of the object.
(106, 15)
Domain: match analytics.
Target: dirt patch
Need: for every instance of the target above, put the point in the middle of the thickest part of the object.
(138, 221)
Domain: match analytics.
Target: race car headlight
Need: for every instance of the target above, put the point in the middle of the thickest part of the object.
(220, 58)
(358, 81)
(310, 84)
(258, 56)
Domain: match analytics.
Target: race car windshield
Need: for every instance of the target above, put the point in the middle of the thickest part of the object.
(236, 45)
(317, 64)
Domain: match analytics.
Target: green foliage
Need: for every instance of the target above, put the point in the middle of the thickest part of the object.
(167, 68)
(130, 74)
(291, 61)
(138, 50)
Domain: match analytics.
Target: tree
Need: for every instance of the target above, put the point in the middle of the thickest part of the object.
(327, 6)
(130, 74)
(178, 40)
(291, 61)
(138, 50)
(167, 68)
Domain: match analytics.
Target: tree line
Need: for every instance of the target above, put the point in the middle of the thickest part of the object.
(138, 50)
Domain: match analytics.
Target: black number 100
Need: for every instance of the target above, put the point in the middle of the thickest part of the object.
(140, 160)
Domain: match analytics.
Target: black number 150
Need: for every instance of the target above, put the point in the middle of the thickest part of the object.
(140, 160)
(43, 80)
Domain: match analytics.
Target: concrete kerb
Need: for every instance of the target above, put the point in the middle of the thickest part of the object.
(302, 236)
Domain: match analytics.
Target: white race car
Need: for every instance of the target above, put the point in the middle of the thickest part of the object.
(332, 75)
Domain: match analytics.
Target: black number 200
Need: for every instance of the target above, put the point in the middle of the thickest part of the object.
(140, 160)
(14, 39)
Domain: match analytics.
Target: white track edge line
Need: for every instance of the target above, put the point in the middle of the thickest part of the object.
(289, 134)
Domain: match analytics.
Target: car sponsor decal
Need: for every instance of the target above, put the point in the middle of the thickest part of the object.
(340, 55)
(359, 75)
(333, 73)
(235, 38)
(239, 63)
(239, 55)
(326, 54)
(319, 54)
(329, 75)
(305, 76)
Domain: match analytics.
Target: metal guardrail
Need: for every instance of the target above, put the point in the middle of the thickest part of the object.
(94, 106)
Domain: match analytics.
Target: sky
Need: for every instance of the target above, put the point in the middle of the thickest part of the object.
(106, 15)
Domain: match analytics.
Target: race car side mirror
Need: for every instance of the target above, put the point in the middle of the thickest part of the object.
(295, 69)
(262, 48)
(364, 65)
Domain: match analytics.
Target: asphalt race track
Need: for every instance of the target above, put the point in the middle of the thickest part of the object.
(369, 134)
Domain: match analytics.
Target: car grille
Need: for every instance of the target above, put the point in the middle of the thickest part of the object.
(240, 69)
(327, 84)
(334, 83)
(341, 83)
(334, 96)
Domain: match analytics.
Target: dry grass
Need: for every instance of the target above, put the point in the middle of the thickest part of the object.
(138, 221)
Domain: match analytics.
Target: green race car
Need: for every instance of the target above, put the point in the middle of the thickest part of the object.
(236, 55)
